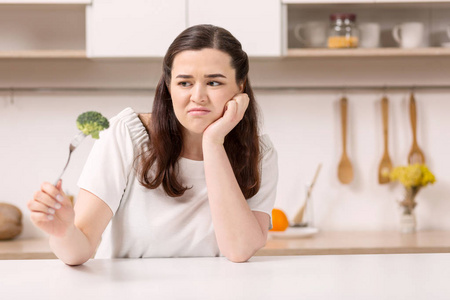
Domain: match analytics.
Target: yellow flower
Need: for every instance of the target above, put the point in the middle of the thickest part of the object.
(417, 175)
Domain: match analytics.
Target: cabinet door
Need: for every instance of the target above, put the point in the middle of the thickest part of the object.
(133, 28)
(256, 24)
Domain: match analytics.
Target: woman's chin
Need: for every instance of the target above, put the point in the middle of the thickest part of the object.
(197, 130)
(197, 126)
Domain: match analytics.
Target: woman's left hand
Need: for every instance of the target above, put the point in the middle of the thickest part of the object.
(233, 114)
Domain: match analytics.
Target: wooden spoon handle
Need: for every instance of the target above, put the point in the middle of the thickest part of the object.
(344, 123)
(384, 111)
(413, 117)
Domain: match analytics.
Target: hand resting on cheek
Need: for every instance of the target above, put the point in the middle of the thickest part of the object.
(234, 111)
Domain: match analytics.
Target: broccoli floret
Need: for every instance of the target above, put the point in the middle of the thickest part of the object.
(91, 123)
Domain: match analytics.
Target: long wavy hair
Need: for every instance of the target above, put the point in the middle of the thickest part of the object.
(165, 145)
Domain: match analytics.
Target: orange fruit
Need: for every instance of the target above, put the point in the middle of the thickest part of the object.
(279, 220)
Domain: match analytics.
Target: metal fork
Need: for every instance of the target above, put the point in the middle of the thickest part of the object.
(73, 145)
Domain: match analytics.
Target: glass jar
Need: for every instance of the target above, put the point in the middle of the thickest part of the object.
(343, 32)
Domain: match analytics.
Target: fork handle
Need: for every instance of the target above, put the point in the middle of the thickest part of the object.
(67, 163)
(73, 145)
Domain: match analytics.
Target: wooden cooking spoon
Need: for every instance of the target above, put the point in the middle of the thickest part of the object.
(385, 165)
(345, 169)
(415, 155)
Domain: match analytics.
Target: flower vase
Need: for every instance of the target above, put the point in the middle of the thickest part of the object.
(408, 222)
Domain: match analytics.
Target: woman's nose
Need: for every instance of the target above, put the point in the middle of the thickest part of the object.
(198, 93)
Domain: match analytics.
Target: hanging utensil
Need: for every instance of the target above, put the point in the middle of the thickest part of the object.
(345, 169)
(415, 155)
(298, 219)
(385, 166)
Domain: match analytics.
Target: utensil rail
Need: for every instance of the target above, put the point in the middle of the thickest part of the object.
(270, 88)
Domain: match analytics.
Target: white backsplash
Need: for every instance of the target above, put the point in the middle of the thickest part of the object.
(304, 125)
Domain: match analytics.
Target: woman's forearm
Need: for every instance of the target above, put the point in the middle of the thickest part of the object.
(238, 232)
(73, 248)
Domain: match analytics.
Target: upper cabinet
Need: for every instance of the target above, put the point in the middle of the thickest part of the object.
(133, 28)
(143, 28)
(256, 24)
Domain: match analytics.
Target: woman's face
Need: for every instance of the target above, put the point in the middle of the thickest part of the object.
(202, 82)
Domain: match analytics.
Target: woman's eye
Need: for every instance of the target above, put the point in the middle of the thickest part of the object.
(214, 83)
(184, 83)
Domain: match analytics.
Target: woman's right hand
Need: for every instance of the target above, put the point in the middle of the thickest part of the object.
(51, 210)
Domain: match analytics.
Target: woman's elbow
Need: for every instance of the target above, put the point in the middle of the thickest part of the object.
(74, 262)
(74, 259)
(238, 258)
(243, 255)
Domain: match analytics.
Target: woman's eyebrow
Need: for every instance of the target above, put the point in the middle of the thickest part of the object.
(184, 76)
(206, 76)
(215, 75)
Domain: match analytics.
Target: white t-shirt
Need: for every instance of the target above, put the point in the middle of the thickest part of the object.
(147, 222)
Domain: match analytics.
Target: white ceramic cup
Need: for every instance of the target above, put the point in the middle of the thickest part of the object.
(409, 35)
(312, 34)
(369, 35)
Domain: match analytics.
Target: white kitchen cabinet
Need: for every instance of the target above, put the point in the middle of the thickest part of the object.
(256, 24)
(133, 28)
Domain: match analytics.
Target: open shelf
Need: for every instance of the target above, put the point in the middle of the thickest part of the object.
(39, 54)
(38, 2)
(361, 1)
(360, 52)
(38, 31)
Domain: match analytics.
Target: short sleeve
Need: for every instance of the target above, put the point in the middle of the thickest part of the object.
(110, 161)
(264, 199)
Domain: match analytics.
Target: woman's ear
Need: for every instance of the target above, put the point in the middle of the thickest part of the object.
(242, 85)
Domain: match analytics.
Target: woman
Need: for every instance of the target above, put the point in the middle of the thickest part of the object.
(191, 179)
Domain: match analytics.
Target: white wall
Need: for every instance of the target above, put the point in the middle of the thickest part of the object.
(306, 129)
(304, 125)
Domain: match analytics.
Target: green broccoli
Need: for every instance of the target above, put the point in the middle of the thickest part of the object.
(91, 123)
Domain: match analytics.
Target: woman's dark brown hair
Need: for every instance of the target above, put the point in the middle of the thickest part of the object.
(162, 152)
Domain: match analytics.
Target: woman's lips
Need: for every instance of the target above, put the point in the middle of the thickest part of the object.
(198, 111)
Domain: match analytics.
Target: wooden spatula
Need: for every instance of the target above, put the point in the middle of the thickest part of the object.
(415, 155)
(345, 169)
(298, 219)
(385, 166)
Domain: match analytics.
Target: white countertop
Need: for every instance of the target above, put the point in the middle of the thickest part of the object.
(381, 277)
